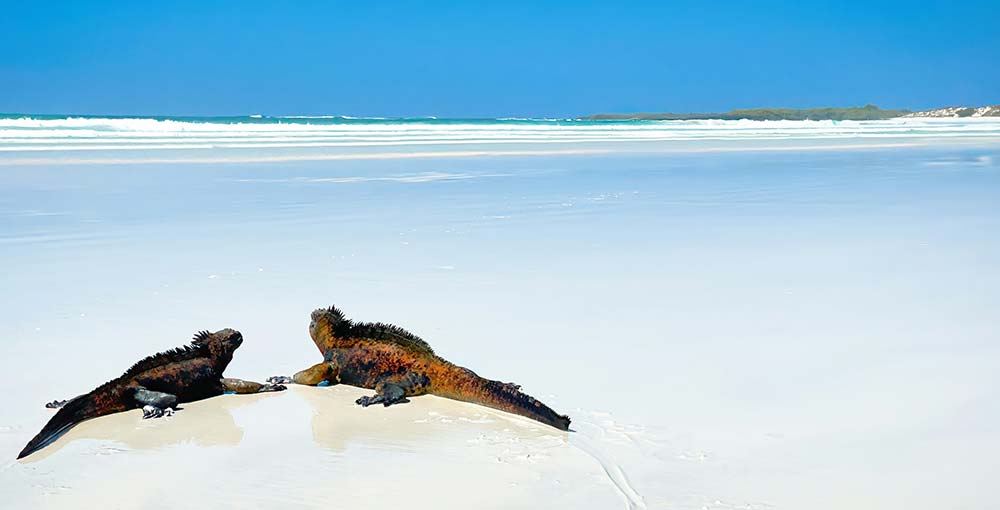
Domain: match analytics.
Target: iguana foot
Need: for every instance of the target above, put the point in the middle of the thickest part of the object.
(56, 404)
(156, 412)
(379, 399)
(367, 401)
(279, 379)
(268, 387)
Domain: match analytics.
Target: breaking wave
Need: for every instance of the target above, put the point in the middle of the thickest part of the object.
(34, 134)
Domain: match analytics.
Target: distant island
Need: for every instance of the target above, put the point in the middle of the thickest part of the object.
(867, 112)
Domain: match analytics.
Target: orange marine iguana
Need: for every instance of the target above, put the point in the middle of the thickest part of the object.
(398, 364)
(156, 384)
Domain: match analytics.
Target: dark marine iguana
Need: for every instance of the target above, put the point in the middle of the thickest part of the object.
(398, 364)
(156, 384)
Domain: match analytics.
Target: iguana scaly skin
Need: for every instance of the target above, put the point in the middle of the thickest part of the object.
(156, 384)
(398, 364)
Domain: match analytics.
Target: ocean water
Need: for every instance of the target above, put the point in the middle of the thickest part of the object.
(739, 314)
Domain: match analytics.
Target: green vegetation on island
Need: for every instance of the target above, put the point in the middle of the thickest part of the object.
(867, 112)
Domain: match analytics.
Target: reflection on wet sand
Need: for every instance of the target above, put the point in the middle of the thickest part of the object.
(338, 423)
(205, 423)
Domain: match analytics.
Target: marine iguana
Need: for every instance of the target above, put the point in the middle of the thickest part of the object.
(156, 384)
(398, 364)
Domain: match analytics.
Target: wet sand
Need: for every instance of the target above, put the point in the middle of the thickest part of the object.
(756, 330)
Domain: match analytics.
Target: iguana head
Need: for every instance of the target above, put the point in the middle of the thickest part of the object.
(220, 344)
(323, 325)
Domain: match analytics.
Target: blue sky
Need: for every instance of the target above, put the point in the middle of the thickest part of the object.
(475, 59)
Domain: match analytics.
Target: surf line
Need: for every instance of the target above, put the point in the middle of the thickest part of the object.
(300, 157)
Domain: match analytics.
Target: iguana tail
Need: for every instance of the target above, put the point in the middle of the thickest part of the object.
(469, 387)
(75, 411)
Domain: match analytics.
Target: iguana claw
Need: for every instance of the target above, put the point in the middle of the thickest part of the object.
(155, 412)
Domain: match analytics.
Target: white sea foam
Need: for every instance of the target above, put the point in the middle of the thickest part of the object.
(29, 135)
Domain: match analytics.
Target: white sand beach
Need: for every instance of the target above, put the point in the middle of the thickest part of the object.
(798, 325)
(303, 448)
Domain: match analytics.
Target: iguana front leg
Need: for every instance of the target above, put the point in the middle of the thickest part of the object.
(386, 394)
(155, 404)
(395, 389)
(317, 374)
(241, 387)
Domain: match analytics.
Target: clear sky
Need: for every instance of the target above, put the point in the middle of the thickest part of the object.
(473, 59)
